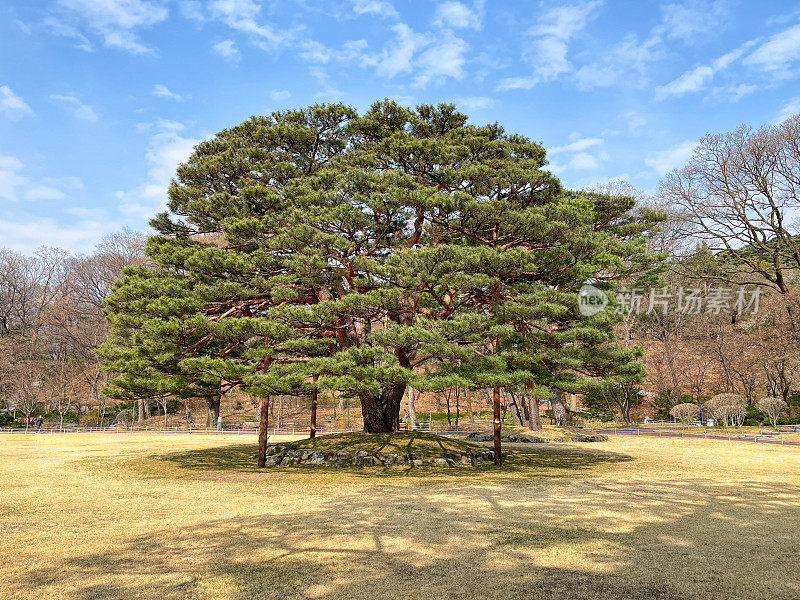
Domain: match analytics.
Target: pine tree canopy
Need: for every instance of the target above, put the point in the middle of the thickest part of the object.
(404, 246)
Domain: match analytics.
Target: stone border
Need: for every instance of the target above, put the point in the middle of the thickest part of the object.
(478, 436)
(284, 456)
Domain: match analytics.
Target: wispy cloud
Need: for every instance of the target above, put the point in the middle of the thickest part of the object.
(580, 144)
(475, 103)
(12, 106)
(789, 109)
(778, 52)
(280, 95)
(444, 58)
(458, 15)
(690, 81)
(16, 186)
(244, 16)
(379, 8)
(693, 20)
(398, 55)
(227, 48)
(116, 21)
(162, 91)
(79, 110)
(550, 43)
(664, 161)
(167, 148)
(699, 78)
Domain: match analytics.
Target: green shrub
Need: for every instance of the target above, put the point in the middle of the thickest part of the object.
(795, 420)
(755, 414)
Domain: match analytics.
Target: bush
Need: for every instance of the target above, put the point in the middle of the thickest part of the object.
(795, 420)
(6, 418)
(53, 416)
(755, 414)
(751, 423)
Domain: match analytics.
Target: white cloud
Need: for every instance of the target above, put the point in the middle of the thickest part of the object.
(58, 27)
(457, 14)
(15, 186)
(25, 232)
(397, 57)
(778, 52)
(79, 110)
(790, 109)
(227, 48)
(445, 58)
(693, 20)
(280, 95)
(116, 21)
(313, 51)
(690, 81)
(666, 160)
(12, 106)
(580, 144)
(163, 91)
(429, 58)
(577, 156)
(629, 56)
(379, 8)
(242, 15)
(168, 148)
(550, 46)
(475, 103)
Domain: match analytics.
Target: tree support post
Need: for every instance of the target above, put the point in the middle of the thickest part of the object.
(314, 409)
(498, 451)
(262, 432)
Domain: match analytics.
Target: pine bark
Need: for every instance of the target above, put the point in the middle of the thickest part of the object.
(314, 410)
(262, 432)
(559, 412)
(213, 410)
(381, 411)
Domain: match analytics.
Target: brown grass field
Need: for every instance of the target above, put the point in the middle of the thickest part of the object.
(179, 516)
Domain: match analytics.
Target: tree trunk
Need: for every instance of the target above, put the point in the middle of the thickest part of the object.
(412, 409)
(381, 412)
(213, 404)
(263, 423)
(140, 402)
(536, 418)
(313, 432)
(498, 451)
(468, 398)
(559, 413)
(517, 413)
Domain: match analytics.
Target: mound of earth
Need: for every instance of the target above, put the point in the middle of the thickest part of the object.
(375, 449)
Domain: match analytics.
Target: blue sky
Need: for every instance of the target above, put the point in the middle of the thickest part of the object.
(101, 99)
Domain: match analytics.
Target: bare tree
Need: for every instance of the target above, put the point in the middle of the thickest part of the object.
(772, 407)
(729, 409)
(740, 191)
(686, 412)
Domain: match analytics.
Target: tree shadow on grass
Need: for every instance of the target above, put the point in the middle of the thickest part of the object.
(541, 460)
(635, 540)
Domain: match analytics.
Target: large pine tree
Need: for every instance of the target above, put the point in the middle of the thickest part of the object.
(360, 253)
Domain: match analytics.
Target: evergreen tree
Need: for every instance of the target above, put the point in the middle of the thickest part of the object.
(360, 253)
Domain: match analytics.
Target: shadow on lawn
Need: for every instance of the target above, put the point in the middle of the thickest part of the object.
(467, 542)
(542, 460)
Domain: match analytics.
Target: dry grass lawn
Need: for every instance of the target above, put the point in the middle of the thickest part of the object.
(177, 516)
